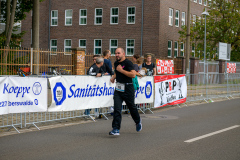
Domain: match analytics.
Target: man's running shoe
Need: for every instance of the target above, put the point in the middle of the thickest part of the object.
(139, 126)
(114, 132)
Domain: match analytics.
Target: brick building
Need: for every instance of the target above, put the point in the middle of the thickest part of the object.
(101, 25)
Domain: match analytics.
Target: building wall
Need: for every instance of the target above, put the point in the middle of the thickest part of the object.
(156, 30)
(168, 32)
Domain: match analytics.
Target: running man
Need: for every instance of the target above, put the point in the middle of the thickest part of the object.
(124, 91)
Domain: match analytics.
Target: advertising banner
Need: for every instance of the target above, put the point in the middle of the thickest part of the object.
(165, 66)
(224, 51)
(23, 94)
(170, 90)
(231, 68)
(145, 92)
(84, 92)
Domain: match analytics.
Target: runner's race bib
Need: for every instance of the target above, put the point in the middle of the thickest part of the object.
(120, 87)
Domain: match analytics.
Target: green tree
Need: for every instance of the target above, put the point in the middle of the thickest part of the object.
(222, 26)
(8, 8)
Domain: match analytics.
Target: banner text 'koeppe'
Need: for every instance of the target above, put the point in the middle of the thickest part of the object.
(22, 94)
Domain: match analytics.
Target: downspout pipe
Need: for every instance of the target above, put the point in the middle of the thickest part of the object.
(142, 29)
(49, 28)
(49, 23)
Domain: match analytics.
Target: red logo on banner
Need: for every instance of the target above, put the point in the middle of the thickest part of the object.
(231, 67)
(170, 86)
(165, 66)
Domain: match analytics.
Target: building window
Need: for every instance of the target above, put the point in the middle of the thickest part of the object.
(205, 2)
(54, 18)
(131, 11)
(68, 17)
(200, 1)
(170, 16)
(177, 18)
(82, 43)
(98, 16)
(182, 49)
(67, 45)
(83, 17)
(194, 20)
(114, 16)
(169, 48)
(193, 50)
(130, 47)
(97, 46)
(183, 18)
(175, 49)
(195, 1)
(53, 46)
(113, 45)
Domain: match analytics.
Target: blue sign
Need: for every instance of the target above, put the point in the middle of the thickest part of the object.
(37, 88)
(59, 93)
(148, 89)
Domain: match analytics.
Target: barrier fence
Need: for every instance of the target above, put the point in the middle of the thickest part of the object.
(200, 87)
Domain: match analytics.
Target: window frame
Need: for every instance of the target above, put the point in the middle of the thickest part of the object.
(205, 2)
(130, 47)
(97, 46)
(195, 1)
(112, 47)
(177, 18)
(175, 49)
(200, 1)
(52, 18)
(80, 16)
(66, 47)
(183, 19)
(97, 16)
(169, 49)
(170, 17)
(80, 43)
(193, 50)
(134, 15)
(52, 52)
(111, 15)
(194, 19)
(182, 49)
(68, 17)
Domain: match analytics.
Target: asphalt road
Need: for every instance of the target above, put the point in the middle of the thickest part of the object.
(164, 136)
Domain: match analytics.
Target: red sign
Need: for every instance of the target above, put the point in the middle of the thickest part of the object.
(165, 66)
(231, 67)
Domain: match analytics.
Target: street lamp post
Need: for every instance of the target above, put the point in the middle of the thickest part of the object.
(206, 14)
(206, 99)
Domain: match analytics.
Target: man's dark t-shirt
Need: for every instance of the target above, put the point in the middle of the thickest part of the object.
(128, 66)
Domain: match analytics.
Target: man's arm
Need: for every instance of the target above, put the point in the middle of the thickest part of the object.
(130, 74)
(92, 72)
(113, 78)
(109, 70)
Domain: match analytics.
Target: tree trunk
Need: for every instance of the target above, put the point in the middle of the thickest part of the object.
(35, 35)
(11, 23)
(9, 32)
(7, 16)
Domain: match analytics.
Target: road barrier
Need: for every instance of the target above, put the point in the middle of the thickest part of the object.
(200, 87)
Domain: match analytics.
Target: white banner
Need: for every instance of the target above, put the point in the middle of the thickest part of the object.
(80, 92)
(170, 90)
(145, 92)
(23, 94)
(84, 92)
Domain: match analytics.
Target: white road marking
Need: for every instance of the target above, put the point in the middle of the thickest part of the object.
(211, 134)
